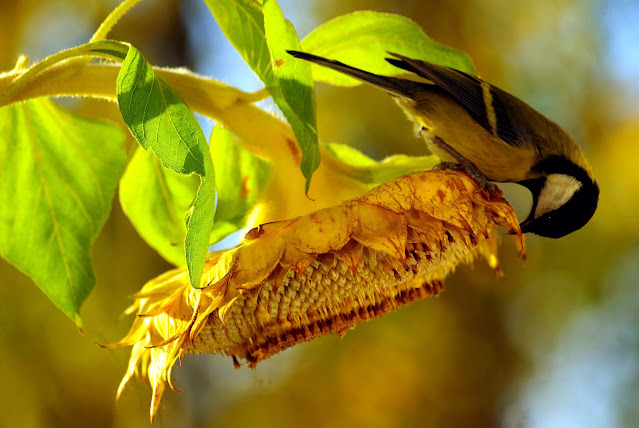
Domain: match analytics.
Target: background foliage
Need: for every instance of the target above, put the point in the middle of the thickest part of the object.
(553, 344)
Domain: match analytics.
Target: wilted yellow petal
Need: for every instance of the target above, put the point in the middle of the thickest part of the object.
(256, 260)
(381, 229)
(163, 285)
(137, 353)
(217, 266)
(325, 230)
(396, 195)
(445, 202)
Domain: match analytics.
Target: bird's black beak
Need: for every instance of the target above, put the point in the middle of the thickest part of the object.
(535, 185)
(525, 225)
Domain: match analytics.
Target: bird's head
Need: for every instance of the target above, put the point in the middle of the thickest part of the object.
(565, 198)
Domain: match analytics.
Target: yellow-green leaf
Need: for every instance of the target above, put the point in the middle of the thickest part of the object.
(363, 38)
(155, 200)
(261, 35)
(58, 174)
(159, 119)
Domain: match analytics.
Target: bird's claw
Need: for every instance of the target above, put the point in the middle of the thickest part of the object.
(473, 172)
(448, 166)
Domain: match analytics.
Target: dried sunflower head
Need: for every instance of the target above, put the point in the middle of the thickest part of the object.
(325, 272)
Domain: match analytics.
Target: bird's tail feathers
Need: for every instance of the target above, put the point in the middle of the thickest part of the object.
(396, 86)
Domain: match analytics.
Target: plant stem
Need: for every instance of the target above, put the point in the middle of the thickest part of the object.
(24, 78)
(112, 19)
(260, 131)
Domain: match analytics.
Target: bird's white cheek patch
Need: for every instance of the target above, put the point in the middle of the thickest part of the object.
(558, 190)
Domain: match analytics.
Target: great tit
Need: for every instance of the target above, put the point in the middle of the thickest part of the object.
(494, 136)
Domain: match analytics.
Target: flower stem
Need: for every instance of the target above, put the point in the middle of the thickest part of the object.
(112, 19)
(108, 50)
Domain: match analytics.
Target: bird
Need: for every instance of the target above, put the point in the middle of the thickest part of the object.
(493, 136)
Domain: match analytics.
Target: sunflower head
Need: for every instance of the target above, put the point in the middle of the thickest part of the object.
(325, 272)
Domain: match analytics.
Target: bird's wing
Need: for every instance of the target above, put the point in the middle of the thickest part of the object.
(477, 97)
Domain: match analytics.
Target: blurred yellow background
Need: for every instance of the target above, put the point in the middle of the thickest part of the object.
(552, 344)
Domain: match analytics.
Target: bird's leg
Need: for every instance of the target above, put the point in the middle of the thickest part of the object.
(465, 165)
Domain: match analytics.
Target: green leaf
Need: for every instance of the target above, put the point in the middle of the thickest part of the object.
(366, 170)
(111, 53)
(362, 39)
(240, 178)
(58, 174)
(248, 25)
(111, 49)
(296, 95)
(155, 200)
(199, 225)
(349, 154)
(159, 119)
(242, 21)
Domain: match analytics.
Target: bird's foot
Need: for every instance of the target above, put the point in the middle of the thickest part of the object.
(470, 169)
(448, 166)
(467, 166)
